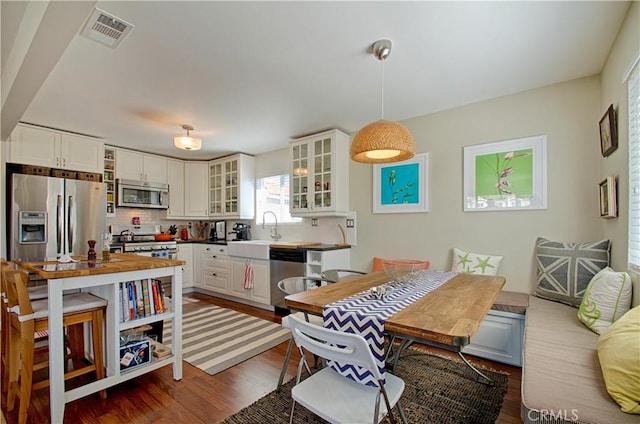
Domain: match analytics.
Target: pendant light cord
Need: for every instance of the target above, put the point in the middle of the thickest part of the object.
(382, 91)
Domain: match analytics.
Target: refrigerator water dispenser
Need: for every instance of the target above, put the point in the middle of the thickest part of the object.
(33, 227)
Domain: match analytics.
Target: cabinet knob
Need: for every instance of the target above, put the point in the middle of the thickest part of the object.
(222, 250)
(208, 248)
(214, 256)
(214, 274)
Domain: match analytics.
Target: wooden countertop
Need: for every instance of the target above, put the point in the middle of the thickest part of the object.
(449, 316)
(119, 263)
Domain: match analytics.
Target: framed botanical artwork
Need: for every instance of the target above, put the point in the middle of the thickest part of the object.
(402, 187)
(608, 198)
(506, 175)
(608, 132)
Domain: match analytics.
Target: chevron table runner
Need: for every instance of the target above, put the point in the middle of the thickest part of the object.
(365, 315)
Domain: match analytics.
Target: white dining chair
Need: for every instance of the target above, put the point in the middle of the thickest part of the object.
(332, 396)
(335, 275)
(294, 285)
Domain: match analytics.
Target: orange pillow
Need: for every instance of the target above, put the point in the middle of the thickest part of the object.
(377, 264)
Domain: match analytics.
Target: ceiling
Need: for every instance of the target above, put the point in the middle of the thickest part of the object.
(249, 76)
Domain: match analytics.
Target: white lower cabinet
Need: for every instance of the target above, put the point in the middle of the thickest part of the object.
(499, 338)
(215, 268)
(185, 253)
(198, 273)
(261, 290)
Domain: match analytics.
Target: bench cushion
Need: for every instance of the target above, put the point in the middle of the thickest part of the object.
(513, 302)
(561, 373)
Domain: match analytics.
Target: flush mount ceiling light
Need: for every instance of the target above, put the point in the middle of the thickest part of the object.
(382, 141)
(187, 142)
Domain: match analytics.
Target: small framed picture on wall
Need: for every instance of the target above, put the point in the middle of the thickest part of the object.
(608, 132)
(608, 198)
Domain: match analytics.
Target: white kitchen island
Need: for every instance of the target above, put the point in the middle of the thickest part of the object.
(103, 279)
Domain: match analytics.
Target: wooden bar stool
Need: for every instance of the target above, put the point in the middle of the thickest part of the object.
(35, 293)
(26, 317)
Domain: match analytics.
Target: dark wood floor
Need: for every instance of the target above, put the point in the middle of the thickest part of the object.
(200, 398)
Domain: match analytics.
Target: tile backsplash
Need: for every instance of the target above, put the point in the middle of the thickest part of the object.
(326, 230)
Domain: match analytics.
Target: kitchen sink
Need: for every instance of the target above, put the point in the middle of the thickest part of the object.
(256, 249)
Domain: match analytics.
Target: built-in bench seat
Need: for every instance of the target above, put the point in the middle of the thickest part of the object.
(500, 336)
(562, 380)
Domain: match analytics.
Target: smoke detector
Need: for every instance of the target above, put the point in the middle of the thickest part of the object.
(106, 28)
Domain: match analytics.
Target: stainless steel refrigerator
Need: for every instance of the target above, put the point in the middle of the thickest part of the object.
(53, 216)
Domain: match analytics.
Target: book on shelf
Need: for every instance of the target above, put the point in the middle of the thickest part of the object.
(154, 285)
(140, 313)
(152, 301)
(145, 295)
(131, 297)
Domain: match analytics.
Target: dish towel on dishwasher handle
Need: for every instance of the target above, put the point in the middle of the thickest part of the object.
(247, 283)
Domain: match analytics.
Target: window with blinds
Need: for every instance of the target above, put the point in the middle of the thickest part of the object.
(634, 168)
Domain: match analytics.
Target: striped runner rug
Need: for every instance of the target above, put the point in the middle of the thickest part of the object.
(215, 338)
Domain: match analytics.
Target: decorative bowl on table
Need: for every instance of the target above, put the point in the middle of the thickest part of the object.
(400, 270)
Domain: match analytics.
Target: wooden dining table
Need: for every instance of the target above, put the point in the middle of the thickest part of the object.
(448, 317)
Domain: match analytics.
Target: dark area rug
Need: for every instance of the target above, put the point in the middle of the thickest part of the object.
(437, 390)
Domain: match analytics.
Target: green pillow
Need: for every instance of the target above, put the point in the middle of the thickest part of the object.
(619, 356)
(607, 298)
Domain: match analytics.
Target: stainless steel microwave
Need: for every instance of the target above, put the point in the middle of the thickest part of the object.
(142, 194)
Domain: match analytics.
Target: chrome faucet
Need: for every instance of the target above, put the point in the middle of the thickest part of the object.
(274, 230)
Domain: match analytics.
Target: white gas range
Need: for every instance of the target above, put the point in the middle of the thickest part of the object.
(143, 242)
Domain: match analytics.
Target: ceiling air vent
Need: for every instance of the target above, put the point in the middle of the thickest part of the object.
(106, 29)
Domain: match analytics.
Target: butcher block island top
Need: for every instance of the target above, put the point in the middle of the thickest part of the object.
(119, 262)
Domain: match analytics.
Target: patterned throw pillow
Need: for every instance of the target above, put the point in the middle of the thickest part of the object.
(607, 298)
(565, 269)
(475, 263)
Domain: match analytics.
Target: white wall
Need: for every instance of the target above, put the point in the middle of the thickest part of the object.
(567, 113)
(614, 91)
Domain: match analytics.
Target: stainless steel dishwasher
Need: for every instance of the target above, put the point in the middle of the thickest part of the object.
(284, 263)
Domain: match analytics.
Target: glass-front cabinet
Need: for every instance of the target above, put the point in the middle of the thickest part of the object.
(320, 174)
(215, 188)
(109, 179)
(232, 187)
(230, 174)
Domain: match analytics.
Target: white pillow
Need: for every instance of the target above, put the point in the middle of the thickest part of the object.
(475, 263)
(607, 298)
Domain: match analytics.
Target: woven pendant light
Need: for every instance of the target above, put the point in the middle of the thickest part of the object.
(382, 141)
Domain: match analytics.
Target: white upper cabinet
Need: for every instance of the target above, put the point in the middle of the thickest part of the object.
(232, 187)
(131, 165)
(175, 177)
(319, 175)
(195, 189)
(32, 145)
